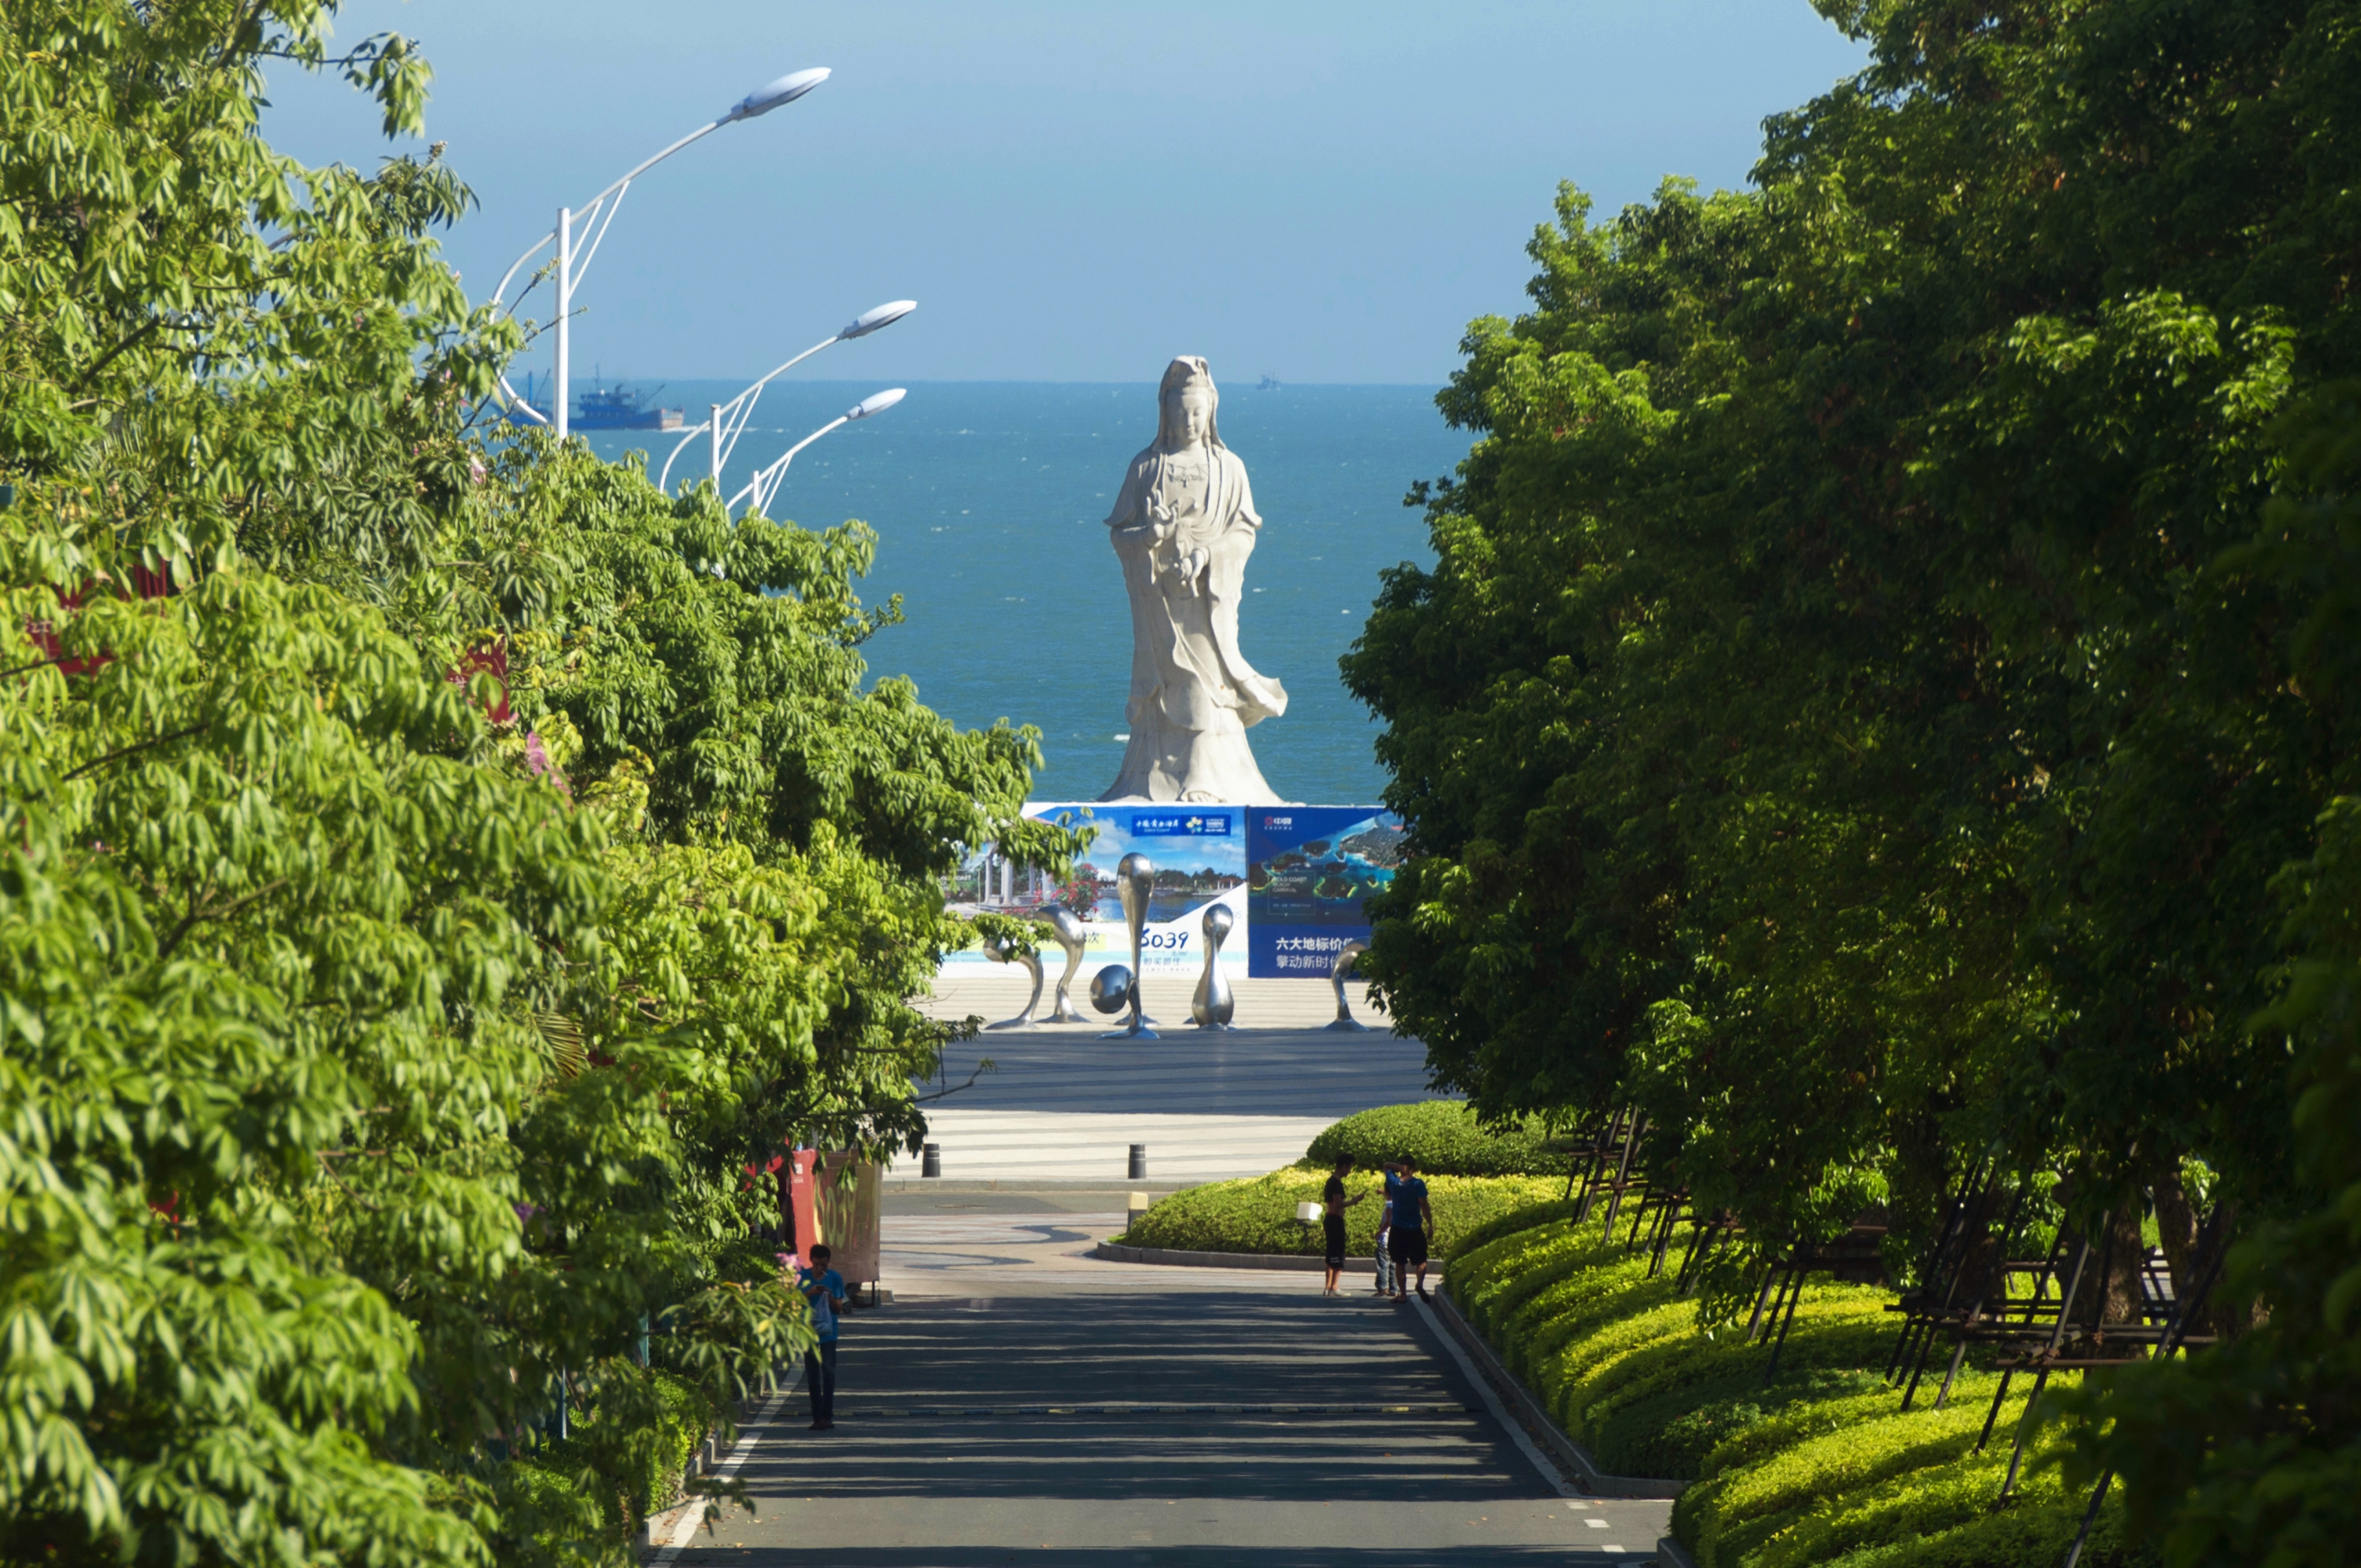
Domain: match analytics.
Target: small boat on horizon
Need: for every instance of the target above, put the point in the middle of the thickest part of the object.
(604, 408)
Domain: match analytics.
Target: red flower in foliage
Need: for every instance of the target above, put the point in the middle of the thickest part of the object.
(43, 632)
(754, 1172)
(491, 659)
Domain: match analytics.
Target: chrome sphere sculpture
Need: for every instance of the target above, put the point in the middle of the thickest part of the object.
(1134, 878)
(1346, 957)
(1001, 950)
(1215, 1003)
(1070, 936)
(1111, 989)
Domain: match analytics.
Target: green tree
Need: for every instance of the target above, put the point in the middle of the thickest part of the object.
(1824, 724)
(2245, 1454)
(435, 875)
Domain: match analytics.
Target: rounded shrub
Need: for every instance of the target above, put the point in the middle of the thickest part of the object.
(1443, 1137)
(1258, 1214)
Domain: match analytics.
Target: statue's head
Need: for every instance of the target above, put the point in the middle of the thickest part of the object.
(1185, 404)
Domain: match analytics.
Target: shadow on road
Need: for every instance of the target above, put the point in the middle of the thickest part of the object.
(994, 1399)
(1223, 1556)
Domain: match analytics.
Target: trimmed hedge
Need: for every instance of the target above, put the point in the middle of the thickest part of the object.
(557, 1504)
(553, 1485)
(1258, 1214)
(1819, 1467)
(688, 1416)
(1442, 1137)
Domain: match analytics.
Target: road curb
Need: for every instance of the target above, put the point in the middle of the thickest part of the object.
(666, 1534)
(1293, 1263)
(895, 1184)
(1536, 1420)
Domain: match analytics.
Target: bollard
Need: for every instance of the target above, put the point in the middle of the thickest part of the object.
(1136, 1207)
(931, 1160)
(1138, 1170)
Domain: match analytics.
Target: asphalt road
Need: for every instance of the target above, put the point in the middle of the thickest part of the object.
(1007, 1426)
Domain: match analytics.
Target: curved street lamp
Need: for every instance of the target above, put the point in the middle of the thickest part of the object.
(766, 482)
(728, 421)
(761, 101)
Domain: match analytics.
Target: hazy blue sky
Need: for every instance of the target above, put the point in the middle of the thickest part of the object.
(1071, 191)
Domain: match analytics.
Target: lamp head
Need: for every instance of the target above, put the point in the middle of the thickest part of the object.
(877, 403)
(770, 95)
(884, 316)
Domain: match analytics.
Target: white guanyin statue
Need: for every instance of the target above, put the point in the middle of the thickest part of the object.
(1183, 526)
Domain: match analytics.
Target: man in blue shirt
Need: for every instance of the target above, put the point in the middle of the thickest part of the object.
(1413, 1222)
(823, 1292)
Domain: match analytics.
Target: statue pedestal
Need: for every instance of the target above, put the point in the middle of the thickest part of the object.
(1164, 764)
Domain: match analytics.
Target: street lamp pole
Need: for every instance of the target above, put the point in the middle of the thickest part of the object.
(765, 485)
(728, 421)
(564, 313)
(599, 214)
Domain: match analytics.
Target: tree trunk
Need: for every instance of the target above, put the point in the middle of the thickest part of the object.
(2126, 1253)
(2177, 1226)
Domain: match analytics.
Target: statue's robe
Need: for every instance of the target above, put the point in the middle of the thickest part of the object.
(1193, 695)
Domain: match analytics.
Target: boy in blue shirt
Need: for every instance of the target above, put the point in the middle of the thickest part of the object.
(823, 1291)
(1413, 1221)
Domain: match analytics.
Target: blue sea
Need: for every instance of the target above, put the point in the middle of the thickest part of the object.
(988, 499)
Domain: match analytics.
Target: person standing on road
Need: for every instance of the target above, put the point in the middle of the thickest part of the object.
(1414, 1224)
(823, 1292)
(1333, 1220)
(1385, 1229)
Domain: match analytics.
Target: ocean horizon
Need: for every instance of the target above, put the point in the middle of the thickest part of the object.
(988, 498)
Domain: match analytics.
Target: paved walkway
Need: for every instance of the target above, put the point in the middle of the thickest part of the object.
(994, 1415)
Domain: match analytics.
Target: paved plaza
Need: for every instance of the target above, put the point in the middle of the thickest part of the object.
(994, 991)
(1059, 1104)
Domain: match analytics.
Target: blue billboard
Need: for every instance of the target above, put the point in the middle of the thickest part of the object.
(1310, 870)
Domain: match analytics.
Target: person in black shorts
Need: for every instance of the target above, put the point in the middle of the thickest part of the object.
(1333, 1220)
(1413, 1222)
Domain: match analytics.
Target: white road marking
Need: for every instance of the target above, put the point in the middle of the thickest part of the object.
(1548, 1472)
(685, 1532)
